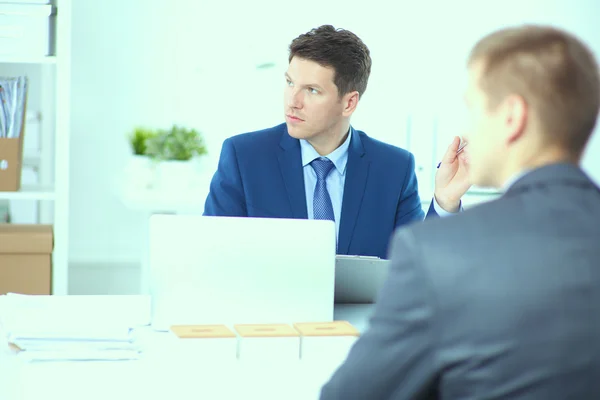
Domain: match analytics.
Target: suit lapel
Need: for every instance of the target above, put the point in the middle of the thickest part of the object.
(290, 163)
(357, 172)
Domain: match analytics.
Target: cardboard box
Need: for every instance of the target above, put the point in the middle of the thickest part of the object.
(25, 29)
(11, 162)
(201, 343)
(267, 343)
(26, 258)
(330, 341)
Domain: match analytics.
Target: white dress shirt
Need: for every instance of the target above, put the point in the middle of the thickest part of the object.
(335, 180)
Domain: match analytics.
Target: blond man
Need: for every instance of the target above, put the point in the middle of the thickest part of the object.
(503, 300)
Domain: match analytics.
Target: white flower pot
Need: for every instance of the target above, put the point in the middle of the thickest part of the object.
(176, 175)
(139, 173)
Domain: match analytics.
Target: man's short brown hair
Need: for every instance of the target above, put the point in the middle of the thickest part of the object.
(339, 49)
(555, 73)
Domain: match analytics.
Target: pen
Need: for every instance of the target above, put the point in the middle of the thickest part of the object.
(460, 149)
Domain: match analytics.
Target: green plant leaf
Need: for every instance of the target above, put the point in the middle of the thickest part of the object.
(138, 140)
(177, 143)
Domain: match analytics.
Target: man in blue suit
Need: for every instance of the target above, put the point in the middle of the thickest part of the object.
(316, 165)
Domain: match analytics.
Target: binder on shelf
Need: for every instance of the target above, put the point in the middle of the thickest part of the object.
(13, 104)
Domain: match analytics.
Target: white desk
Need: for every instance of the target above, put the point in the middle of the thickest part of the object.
(157, 377)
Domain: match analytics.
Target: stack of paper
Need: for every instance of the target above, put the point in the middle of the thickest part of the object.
(12, 105)
(69, 346)
(38, 333)
(70, 342)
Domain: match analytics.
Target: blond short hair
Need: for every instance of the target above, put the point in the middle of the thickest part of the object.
(555, 73)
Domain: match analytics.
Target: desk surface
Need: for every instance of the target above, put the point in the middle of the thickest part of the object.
(157, 377)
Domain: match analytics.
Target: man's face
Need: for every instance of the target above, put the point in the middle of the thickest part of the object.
(485, 135)
(311, 103)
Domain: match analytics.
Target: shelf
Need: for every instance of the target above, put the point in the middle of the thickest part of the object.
(29, 193)
(27, 59)
(49, 95)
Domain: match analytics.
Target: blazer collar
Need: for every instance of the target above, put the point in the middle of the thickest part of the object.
(548, 175)
(290, 164)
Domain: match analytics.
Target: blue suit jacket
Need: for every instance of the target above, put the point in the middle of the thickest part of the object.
(260, 175)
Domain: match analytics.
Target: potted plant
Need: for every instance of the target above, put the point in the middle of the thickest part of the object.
(138, 140)
(139, 170)
(175, 150)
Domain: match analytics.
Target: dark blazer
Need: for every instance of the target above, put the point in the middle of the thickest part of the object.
(499, 302)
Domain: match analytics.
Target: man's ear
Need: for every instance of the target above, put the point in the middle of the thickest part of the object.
(350, 102)
(515, 112)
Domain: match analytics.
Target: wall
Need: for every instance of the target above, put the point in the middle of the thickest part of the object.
(194, 62)
(121, 78)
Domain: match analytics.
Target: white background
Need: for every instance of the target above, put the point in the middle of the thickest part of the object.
(194, 62)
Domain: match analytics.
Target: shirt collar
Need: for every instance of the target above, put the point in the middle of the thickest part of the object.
(339, 157)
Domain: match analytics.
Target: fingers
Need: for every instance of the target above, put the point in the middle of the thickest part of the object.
(463, 157)
(450, 154)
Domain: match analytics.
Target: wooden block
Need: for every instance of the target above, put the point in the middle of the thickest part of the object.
(326, 341)
(204, 342)
(268, 342)
(202, 331)
(335, 328)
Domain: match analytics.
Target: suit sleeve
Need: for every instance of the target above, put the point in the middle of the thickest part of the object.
(395, 358)
(409, 205)
(226, 195)
(432, 213)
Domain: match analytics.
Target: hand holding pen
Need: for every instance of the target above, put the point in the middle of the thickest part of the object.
(452, 176)
(462, 146)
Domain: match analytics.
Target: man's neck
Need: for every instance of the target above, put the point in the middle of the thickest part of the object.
(326, 143)
(548, 157)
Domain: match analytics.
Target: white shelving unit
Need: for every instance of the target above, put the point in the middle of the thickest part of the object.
(49, 83)
(30, 193)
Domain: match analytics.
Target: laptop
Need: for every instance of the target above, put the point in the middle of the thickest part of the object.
(358, 279)
(232, 270)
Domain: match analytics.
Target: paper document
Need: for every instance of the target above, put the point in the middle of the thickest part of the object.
(67, 328)
(119, 355)
(40, 329)
(61, 345)
(13, 92)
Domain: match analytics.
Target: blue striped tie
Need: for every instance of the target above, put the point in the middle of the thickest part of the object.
(322, 208)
